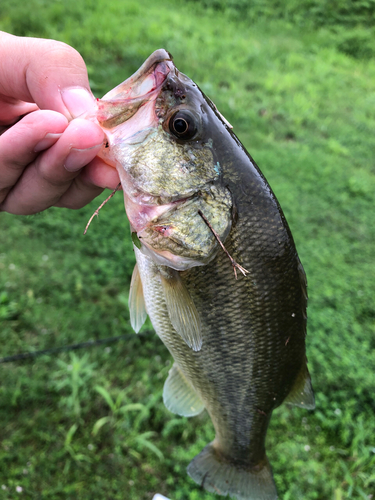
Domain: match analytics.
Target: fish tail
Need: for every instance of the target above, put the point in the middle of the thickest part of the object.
(219, 476)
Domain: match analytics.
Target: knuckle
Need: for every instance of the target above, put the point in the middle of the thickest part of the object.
(57, 57)
(57, 178)
(63, 54)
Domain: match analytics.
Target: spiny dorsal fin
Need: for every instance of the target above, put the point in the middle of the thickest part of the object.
(181, 308)
(137, 307)
(302, 393)
(179, 396)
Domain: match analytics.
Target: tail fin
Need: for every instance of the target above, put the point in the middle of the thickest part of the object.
(223, 478)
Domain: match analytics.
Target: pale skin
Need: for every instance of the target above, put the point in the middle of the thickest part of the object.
(46, 159)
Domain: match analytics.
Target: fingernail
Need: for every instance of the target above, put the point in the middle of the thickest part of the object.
(48, 141)
(77, 100)
(78, 158)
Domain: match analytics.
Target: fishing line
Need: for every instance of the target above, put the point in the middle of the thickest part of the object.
(72, 347)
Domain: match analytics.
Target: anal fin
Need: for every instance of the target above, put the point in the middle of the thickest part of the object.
(179, 396)
(181, 309)
(137, 307)
(302, 393)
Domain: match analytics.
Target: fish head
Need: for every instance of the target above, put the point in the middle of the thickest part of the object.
(159, 128)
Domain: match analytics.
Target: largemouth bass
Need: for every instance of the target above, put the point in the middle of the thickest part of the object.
(200, 212)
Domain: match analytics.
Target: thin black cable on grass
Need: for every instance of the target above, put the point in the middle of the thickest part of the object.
(72, 347)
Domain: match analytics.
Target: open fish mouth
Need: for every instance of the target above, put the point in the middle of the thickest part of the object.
(143, 87)
(138, 84)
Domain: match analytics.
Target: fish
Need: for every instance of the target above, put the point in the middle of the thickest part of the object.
(217, 270)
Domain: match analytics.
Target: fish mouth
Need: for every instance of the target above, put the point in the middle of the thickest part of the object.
(123, 102)
(156, 63)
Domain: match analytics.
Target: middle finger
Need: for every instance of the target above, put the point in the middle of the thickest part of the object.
(50, 175)
(19, 145)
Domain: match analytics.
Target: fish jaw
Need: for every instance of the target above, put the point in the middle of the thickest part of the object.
(143, 217)
(165, 230)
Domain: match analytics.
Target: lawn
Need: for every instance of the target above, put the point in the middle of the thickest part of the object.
(91, 423)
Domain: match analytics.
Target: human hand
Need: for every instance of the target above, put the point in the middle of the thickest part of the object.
(46, 160)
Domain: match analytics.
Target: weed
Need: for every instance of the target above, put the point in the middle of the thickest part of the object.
(118, 410)
(70, 449)
(73, 379)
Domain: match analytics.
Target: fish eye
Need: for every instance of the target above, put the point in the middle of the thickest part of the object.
(183, 125)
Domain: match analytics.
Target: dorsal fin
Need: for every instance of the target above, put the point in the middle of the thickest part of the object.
(137, 307)
(302, 393)
(181, 309)
(179, 396)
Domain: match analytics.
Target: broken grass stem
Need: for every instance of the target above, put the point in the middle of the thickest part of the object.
(101, 206)
(233, 262)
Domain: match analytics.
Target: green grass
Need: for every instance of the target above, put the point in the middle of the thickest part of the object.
(92, 424)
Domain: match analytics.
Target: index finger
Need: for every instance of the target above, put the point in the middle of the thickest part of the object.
(46, 72)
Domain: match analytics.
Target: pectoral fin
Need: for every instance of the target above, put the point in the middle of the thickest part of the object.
(302, 393)
(179, 396)
(137, 307)
(181, 309)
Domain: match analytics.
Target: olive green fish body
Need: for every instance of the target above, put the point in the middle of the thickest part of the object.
(238, 344)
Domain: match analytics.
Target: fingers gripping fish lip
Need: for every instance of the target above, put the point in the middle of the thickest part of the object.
(122, 103)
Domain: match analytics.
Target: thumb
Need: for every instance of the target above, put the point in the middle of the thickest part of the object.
(46, 72)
